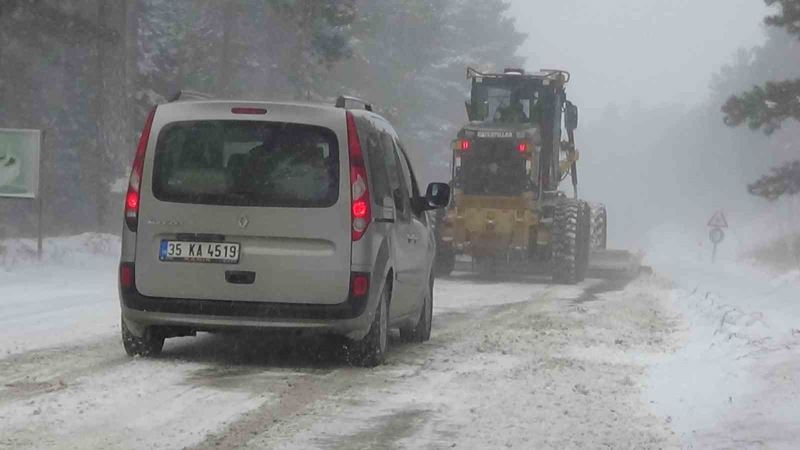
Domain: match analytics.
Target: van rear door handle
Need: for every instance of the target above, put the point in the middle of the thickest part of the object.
(240, 277)
(413, 238)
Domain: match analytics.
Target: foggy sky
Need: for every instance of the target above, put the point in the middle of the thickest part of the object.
(646, 51)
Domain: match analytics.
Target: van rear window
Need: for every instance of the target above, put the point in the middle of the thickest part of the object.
(247, 163)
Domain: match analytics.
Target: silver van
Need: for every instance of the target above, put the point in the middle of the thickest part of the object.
(261, 215)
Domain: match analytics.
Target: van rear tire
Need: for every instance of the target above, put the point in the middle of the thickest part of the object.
(421, 332)
(150, 344)
(371, 350)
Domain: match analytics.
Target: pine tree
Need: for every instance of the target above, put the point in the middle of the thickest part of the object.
(410, 59)
(88, 71)
(767, 107)
(318, 36)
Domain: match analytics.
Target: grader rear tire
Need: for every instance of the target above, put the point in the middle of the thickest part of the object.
(584, 239)
(571, 228)
(599, 227)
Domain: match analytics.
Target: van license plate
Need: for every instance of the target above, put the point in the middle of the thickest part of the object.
(199, 252)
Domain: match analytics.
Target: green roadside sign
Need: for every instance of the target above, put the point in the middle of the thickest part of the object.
(19, 163)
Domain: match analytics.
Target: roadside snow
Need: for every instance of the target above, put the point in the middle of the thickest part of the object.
(70, 296)
(736, 380)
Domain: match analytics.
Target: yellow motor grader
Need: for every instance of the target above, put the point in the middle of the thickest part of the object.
(508, 162)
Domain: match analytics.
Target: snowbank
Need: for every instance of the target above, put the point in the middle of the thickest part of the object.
(82, 250)
(733, 381)
(67, 298)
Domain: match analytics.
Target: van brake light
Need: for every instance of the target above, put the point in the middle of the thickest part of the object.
(133, 198)
(360, 211)
(253, 111)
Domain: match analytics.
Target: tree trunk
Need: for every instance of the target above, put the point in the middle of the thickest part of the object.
(130, 48)
(225, 60)
(99, 174)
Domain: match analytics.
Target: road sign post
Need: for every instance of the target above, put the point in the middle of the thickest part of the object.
(40, 202)
(717, 234)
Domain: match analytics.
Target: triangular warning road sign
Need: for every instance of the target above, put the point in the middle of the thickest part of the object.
(718, 220)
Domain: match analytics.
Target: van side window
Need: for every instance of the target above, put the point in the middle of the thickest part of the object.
(408, 172)
(411, 180)
(378, 171)
(395, 174)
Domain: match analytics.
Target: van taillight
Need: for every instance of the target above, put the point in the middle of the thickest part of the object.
(127, 276)
(132, 198)
(359, 285)
(360, 210)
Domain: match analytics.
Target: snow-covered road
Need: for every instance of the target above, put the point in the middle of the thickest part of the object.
(512, 363)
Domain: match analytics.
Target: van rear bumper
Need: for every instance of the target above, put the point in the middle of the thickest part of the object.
(346, 318)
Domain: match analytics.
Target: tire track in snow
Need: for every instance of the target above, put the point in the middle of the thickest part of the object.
(37, 372)
(497, 348)
(542, 372)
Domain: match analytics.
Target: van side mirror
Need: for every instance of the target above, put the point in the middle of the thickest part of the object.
(570, 116)
(470, 114)
(437, 196)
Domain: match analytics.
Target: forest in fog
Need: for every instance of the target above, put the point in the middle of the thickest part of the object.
(87, 71)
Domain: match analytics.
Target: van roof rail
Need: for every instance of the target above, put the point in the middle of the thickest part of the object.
(187, 94)
(341, 102)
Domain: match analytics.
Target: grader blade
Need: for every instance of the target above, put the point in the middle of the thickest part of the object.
(614, 264)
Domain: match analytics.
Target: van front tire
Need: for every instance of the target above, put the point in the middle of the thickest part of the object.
(148, 345)
(445, 260)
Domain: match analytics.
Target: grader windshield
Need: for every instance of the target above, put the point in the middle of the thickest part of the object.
(510, 100)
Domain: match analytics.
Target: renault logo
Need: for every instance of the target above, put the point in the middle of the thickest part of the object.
(243, 221)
